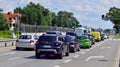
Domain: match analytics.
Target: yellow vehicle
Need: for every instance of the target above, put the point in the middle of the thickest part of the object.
(96, 35)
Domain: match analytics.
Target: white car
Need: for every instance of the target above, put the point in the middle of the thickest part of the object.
(26, 41)
(105, 36)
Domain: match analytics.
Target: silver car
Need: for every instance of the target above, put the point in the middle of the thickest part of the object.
(26, 41)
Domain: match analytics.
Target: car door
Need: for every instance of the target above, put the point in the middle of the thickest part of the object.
(64, 45)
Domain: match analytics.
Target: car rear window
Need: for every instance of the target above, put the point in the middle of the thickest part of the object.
(68, 39)
(47, 38)
(72, 34)
(25, 37)
(82, 37)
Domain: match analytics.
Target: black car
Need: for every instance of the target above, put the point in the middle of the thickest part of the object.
(71, 34)
(51, 44)
(73, 44)
(91, 37)
(102, 36)
(54, 32)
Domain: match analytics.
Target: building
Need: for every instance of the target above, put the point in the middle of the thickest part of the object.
(12, 18)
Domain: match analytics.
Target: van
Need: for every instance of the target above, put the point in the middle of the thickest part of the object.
(96, 35)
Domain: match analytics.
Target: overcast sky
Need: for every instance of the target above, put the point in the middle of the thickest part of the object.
(87, 12)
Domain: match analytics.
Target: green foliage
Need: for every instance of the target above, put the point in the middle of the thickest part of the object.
(36, 14)
(5, 34)
(114, 16)
(117, 36)
(3, 22)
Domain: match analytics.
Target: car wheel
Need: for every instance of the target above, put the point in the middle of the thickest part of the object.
(60, 56)
(67, 54)
(37, 55)
(78, 48)
(17, 48)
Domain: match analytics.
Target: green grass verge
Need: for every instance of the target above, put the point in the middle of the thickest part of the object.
(117, 36)
(6, 34)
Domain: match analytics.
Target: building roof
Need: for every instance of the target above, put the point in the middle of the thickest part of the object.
(11, 16)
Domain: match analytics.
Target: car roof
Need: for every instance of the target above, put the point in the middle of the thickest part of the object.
(49, 35)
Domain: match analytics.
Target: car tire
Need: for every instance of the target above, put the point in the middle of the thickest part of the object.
(37, 55)
(78, 49)
(67, 54)
(59, 56)
(17, 48)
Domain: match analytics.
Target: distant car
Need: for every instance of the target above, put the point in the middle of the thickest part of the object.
(84, 41)
(71, 34)
(26, 41)
(73, 43)
(96, 35)
(105, 36)
(91, 38)
(51, 44)
(54, 32)
(102, 36)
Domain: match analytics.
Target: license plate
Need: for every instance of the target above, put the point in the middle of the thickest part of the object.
(47, 46)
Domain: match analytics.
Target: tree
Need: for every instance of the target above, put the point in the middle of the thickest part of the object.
(3, 22)
(33, 14)
(114, 16)
(66, 19)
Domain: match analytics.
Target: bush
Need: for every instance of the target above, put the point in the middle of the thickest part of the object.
(117, 36)
(5, 34)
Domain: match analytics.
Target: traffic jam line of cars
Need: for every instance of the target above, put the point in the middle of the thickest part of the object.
(53, 43)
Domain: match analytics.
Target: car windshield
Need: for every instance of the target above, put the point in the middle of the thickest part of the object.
(82, 37)
(25, 37)
(47, 38)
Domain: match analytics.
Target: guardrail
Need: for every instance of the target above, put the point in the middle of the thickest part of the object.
(8, 42)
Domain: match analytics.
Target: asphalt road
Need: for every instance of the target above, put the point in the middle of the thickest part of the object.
(102, 54)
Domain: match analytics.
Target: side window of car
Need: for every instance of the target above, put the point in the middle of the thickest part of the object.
(36, 37)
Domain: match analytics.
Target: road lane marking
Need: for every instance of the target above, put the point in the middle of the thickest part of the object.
(92, 57)
(82, 52)
(76, 56)
(66, 61)
(57, 66)
(88, 50)
(13, 58)
(9, 53)
(105, 47)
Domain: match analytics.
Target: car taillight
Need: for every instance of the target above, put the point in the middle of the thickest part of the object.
(32, 41)
(72, 43)
(17, 41)
(86, 40)
(56, 43)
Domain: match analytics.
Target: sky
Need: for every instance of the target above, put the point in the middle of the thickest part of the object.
(87, 12)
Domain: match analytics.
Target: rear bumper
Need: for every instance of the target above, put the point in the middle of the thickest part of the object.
(25, 46)
(48, 51)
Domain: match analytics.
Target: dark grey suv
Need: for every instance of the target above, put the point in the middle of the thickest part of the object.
(51, 44)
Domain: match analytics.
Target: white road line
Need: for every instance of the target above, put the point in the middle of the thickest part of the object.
(88, 50)
(110, 39)
(9, 53)
(14, 58)
(114, 39)
(82, 52)
(105, 47)
(92, 57)
(57, 66)
(66, 61)
(76, 56)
